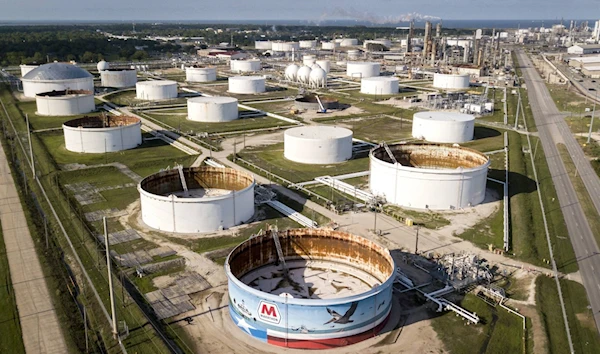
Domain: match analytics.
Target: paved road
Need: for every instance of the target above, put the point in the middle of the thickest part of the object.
(39, 323)
(553, 130)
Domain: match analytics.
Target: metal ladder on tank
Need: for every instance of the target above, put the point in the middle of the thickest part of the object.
(387, 149)
(279, 252)
(182, 177)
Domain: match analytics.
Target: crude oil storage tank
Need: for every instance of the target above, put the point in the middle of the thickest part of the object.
(263, 45)
(25, 68)
(118, 78)
(310, 103)
(244, 65)
(56, 77)
(429, 176)
(199, 74)
(324, 64)
(317, 144)
(64, 103)
(443, 127)
(212, 109)
(348, 42)
(358, 69)
(331, 289)
(156, 90)
(197, 199)
(308, 44)
(451, 81)
(102, 134)
(379, 85)
(309, 60)
(285, 46)
(329, 45)
(246, 84)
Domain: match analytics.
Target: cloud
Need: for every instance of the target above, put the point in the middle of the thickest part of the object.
(351, 13)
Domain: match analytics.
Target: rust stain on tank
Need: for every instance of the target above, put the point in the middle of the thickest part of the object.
(102, 121)
(433, 156)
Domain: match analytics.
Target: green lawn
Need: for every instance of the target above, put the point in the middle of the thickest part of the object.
(42, 122)
(376, 129)
(486, 139)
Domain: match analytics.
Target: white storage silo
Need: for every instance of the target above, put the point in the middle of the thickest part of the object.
(198, 74)
(245, 65)
(379, 85)
(56, 77)
(102, 134)
(212, 109)
(324, 64)
(247, 84)
(156, 90)
(443, 127)
(118, 78)
(64, 103)
(318, 144)
(451, 81)
(357, 69)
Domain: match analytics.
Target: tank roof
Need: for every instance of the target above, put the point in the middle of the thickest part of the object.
(215, 99)
(157, 82)
(445, 116)
(319, 132)
(56, 71)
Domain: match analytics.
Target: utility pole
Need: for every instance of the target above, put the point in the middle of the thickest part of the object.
(592, 122)
(110, 284)
(417, 241)
(375, 220)
(30, 146)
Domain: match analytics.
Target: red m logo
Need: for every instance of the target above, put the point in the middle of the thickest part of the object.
(268, 312)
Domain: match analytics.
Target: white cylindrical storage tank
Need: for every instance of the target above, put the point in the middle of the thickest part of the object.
(215, 199)
(102, 65)
(451, 81)
(263, 45)
(212, 109)
(102, 134)
(247, 84)
(303, 74)
(56, 77)
(118, 78)
(309, 60)
(285, 46)
(318, 78)
(317, 144)
(308, 44)
(25, 68)
(156, 90)
(357, 69)
(196, 74)
(383, 41)
(443, 127)
(353, 54)
(64, 103)
(245, 66)
(429, 176)
(324, 64)
(291, 72)
(348, 42)
(329, 45)
(379, 85)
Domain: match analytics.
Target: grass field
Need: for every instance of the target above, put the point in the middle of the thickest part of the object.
(486, 139)
(11, 340)
(42, 122)
(376, 129)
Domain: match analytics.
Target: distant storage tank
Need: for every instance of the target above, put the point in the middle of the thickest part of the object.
(357, 69)
(156, 90)
(379, 85)
(309, 60)
(118, 78)
(247, 84)
(245, 66)
(285, 46)
(383, 41)
(303, 75)
(348, 42)
(291, 72)
(102, 65)
(324, 64)
(212, 109)
(317, 144)
(64, 103)
(215, 199)
(429, 176)
(102, 134)
(443, 127)
(25, 68)
(451, 81)
(308, 44)
(329, 45)
(353, 54)
(197, 74)
(56, 77)
(263, 45)
(310, 103)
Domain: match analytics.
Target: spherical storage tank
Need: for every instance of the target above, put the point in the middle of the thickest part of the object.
(379, 85)
(64, 103)
(156, 90)
(197, 74)
(291, 72)
(359, 69)
(102, 134)
(246, 84)
(318, 77)
(212, 109)
(337, 292)
(443, 127)
(244, 66)
(451, 81)
(303, 74)
(118, 78)
(102, 65)
(207, 199)
(317, 144)
(56, 77)
(429, 176)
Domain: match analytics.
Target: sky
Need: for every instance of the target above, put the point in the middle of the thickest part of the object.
(313, 10)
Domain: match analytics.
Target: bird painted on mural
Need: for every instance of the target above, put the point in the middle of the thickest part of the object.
(337, 318)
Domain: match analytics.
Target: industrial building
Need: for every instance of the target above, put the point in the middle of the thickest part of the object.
(379, 85)
(212, 109)
(451, 81)
(102, 134)
(310, 288)
(118, 78)
(64, 103)
(156, 90)
(200, 74)
(197, 199)
(443, 127)
(56, 77)
(582, 49)
(356, 69)
(245, 66)
(318, 144)
(247, 84)
(428, 176)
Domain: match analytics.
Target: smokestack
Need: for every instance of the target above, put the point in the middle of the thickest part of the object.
(426, 39)
(466, 53)
(410, 37)
(475, 50)
(438, 30)
(433, 52)
(479, 57)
